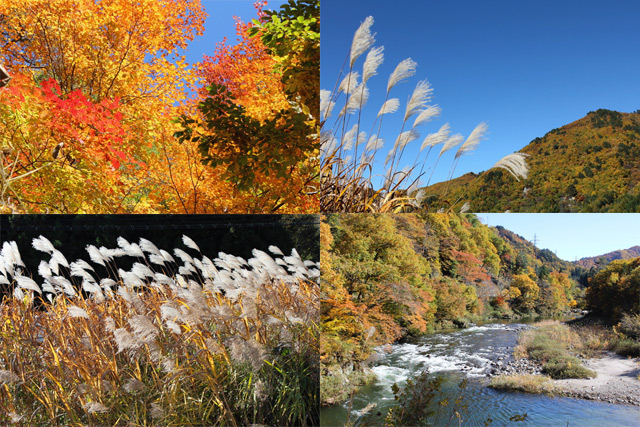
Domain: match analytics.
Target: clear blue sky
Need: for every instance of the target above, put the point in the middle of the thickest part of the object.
(572, 236)
(220, 24)
(524, 67)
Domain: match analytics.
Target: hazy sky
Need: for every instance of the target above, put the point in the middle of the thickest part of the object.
(524, 67)
(572, 236)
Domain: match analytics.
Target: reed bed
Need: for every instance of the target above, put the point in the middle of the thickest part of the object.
(348, 153)
(223, 341)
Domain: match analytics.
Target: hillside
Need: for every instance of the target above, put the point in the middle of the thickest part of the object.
(389, 276)
(605, 259)
(590, 165)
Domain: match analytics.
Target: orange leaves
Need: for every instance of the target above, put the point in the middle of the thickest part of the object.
(89, 115)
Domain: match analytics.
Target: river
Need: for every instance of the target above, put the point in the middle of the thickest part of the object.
(469, 353)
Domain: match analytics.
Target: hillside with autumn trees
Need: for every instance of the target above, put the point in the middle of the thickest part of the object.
(104, 115)
(590, 165)
(386, 277)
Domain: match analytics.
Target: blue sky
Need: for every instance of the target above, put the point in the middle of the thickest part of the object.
(572, 236)
(220, 24)
(523, 67)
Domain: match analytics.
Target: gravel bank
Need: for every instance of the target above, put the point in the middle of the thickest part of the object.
(617, 381)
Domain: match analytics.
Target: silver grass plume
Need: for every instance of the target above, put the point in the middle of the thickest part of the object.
(374, 143)
(143, 328)
(349, 83)
(356, 101)
(148, 246)
(7, 377)
(404, 70)
(134, 385)
(406, 137)
(94, 407)
(185, 257)
(75, 311)
(349, 137)
(275, 250)
(419, 98)
(427, 115)
(48, 287)
(362, 40)
(451, 142)
(188, 242)
(515, 164)
(44, 270)
(371, 64)
(389, 106)
(437, 138)
(326, 104)
(157, 259)
(95, 255)
(465, 207)
(477, 135)
(42, 244)
(27, 283)
(328, 143)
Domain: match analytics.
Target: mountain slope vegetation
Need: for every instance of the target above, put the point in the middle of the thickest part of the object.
(590, 165)
(605, 259)
(386, 277)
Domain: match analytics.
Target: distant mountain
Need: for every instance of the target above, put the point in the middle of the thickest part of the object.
(602, 260)
(545, 256)
(590, 165)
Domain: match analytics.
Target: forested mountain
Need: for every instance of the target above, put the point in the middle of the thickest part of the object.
(385, 277)
(605, 259)
(590, 165)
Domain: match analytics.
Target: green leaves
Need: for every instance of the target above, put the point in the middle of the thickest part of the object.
(242, 144)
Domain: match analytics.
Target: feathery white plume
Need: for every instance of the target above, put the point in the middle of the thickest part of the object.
(349, 83)
(374, 143)
(42, 244)
(389, 106)
(28, 283)
(95, 255)
(148, 246)
(406, 137)
(356, 101)
(477, 135)
(427, 115)
(326, 104)
(188, 242)
(514, 163)
(436, 138)
(349, 138)
(451, 142)
(77, 312)
(275, 250)
(404, 70)
(44, 270)
(362, 40)
(328, 143)
(419, 98)
(371, 64)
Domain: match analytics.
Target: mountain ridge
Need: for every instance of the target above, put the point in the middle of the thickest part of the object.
(589, 165)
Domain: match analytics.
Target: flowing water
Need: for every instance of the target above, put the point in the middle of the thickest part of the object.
(469, 354)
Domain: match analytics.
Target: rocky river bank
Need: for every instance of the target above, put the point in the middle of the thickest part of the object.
(617, 380)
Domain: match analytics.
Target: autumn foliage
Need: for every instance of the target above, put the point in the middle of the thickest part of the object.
(88, 122)
(390, 276)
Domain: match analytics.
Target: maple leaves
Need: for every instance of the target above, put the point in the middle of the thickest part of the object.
(78, 146)
(88, 123)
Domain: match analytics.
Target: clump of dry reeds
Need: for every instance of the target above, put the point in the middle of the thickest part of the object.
(348, 153)
(223, 341)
